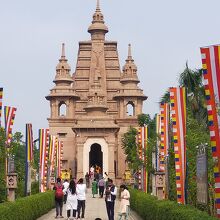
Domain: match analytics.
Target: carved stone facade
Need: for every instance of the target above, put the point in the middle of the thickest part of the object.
(93, 108)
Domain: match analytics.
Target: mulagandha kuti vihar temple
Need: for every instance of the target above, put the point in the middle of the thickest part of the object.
(92, 108)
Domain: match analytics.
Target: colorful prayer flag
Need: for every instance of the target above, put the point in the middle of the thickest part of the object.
(158, 127)
(142, 147)
(211, 73)
(1, 96)
(43, 146)
(164, 140)
(29, 158)
(29, 142)
(9, 113)
(178, 117)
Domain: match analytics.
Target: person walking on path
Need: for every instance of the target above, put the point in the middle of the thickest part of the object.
(71, 202)
(87, 179)
(94, 188)
(101, 185)
(124, 206)
(58, 198)
(65, 186)
(105, 176)
(81, 196)
(110, 196)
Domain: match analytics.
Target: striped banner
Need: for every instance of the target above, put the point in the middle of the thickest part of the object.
(1, 96)
(43, 146)
(158, 127)
(178, 117)
(9, 113)
(164, 139)
(211, 73)
(59, 158)
(142, 147)
(29, 158)
(29, 143)
(53, 142)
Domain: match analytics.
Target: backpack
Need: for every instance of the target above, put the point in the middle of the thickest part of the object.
(59, 192)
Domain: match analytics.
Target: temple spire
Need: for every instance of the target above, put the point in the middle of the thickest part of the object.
(63, 69)
(63, 57)
(98, 29)
(98, 6)
(129, 58)
(129, 52)
(129, 69)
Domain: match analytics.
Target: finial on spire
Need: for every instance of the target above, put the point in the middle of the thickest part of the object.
(129, 51)
(98, 6)
(63, 51)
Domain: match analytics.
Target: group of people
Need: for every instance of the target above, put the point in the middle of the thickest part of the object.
(74, 195)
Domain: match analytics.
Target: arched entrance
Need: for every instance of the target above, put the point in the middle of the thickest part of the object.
(86, 153)
(96, 156)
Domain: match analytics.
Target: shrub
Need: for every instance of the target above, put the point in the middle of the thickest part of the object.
(34, 187)
(150, 208)
(27, 208)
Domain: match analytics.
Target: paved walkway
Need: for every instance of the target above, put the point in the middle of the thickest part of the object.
(95, 208)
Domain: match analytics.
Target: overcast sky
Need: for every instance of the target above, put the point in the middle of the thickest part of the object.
(164, 35)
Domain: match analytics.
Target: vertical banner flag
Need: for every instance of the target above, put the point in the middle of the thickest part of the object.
(178, 117)
(59, 157)
(142, 147)
(52, 154)
(158, 141)
(29, 158)
(9, 113)
(164, 143)
(1, 96)
(43, 147)
(29, 143)
(211, 73)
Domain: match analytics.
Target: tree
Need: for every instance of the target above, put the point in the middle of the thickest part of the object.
(143, 119)
(192, 81)
(129, 144)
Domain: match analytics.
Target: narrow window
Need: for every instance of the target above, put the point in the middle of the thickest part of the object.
(130, 109)
(62, 109)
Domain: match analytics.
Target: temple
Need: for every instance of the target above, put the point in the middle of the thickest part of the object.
(92, 108)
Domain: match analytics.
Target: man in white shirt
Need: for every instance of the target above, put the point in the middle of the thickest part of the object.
(65, 187)
(81, 197)
(110, 196)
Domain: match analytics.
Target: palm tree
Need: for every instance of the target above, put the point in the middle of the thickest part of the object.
(192, 81)
(166, 97)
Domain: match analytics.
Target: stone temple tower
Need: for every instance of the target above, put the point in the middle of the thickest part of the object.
(93, 108)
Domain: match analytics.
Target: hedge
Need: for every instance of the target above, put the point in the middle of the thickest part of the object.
(150, 208)
(27, 208)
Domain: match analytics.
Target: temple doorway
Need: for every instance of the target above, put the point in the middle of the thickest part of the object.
(96, 157)
(95, 151)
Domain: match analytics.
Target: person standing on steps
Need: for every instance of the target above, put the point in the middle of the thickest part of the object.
(58, 198)
(110, 196)
(81, 196)
(71, 202)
